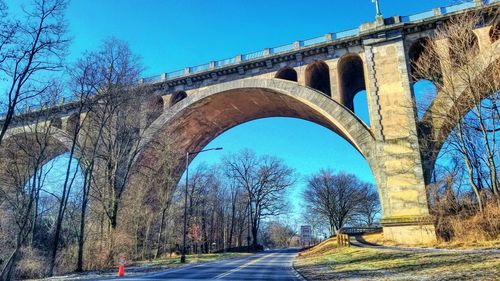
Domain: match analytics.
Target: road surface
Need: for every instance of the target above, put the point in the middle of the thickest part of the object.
(268, 265)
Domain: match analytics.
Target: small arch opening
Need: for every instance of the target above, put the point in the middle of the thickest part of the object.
(415, 52)
(318, 77)
(494, 32)
(353, 87)
(154, 108)
(72, 122)
(360, 104)
(177, 97)
(424, 92)
(287, 73)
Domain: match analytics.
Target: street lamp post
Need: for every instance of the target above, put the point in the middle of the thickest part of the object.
(183, 256)
(377, 6)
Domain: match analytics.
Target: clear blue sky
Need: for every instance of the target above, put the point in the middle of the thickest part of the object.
(173, 34)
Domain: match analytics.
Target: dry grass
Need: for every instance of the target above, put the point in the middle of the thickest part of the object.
(477, 228)
(466, 244)
(478, 231)
(332, 262)
(320, 249)
(32, 264)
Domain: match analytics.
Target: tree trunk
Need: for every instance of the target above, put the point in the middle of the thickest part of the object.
(160, 231)
(83, 214)
(8, 270)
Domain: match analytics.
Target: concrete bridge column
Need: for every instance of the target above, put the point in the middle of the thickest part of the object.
(397, 164)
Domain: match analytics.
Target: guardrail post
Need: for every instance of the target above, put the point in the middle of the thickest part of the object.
(238, 58)
(328, 37)
(163, 76)
(187, 70)
(267, 51)
(212, 65)
(296, 45)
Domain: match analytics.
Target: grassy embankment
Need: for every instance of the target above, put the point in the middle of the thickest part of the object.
(328, 261)
(471, 244)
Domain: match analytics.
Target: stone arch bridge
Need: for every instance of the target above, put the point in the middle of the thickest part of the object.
(315, 80)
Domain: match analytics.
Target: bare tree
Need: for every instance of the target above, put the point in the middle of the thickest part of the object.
(278, 234)
(121, 127)
(30, 48)
(338, 198)
(84, 83)
(265, 179)
(457, 69)
(369, 205)
(25, 154)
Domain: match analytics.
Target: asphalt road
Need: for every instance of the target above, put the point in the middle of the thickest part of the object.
(268, 265)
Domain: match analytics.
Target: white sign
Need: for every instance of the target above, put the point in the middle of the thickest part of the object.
(305, 234)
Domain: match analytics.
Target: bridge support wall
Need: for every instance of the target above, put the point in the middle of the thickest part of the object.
(397, 165)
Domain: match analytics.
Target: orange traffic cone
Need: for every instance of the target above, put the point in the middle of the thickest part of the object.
(121, 268)
(121, 271)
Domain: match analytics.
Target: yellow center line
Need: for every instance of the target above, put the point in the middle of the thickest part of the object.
(222, 275)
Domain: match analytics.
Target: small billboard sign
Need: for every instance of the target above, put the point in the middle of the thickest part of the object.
(305, 234)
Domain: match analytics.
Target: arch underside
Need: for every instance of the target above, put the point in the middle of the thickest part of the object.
(207, 119)
(203, 116)
(21, 147)
(445, 112)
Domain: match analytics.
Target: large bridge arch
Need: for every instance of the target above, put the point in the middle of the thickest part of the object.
(203, 115)
(446, 111)
(196, 120)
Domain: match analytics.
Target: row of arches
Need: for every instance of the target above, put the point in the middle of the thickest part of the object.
(351, 81)
(468, 41)
(317, 76)
(425, 90)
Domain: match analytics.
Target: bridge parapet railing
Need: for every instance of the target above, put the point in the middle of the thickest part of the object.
(175, 74)
(282, 48)
(313, 41)
(418, 17)
(254, 55)
(346, 33)
(359, 230)
(457, 7)
(224, 62)
(151, 79)
(199, 68)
